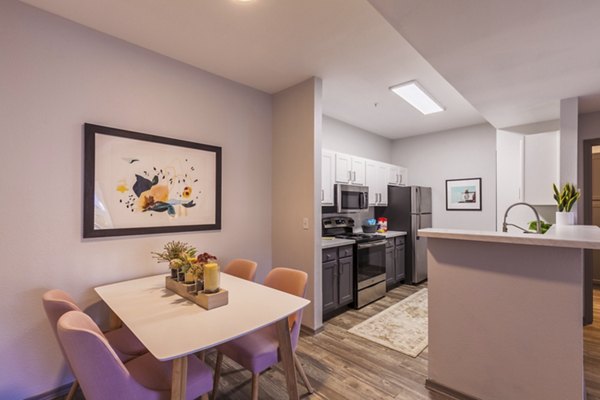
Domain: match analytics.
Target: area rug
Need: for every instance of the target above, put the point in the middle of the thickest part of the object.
(402, 327)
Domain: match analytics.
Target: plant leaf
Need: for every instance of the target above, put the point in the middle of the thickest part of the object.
(141, 185)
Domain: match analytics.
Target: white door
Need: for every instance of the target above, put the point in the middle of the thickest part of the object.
(372, 181)
(343, 168)
(358, 171)
(327, 163)
(382, 184)
(393, 175)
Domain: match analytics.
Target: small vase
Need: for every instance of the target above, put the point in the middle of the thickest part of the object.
(180, 275)
(174, 273)
(200, 285)
(565, 218)
(190, 277)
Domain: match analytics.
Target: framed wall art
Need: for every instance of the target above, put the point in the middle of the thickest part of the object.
(463, 194)
(135, 184)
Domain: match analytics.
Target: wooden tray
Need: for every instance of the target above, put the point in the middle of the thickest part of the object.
(206, 301)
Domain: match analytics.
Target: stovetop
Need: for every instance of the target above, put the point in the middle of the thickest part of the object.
(361, 237)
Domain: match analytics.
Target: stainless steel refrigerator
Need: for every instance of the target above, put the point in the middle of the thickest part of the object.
(409, 209)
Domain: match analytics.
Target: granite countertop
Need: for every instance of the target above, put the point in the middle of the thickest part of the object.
(577, 236)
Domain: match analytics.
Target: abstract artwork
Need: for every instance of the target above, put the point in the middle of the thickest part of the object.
(135, 183)
(463, 194)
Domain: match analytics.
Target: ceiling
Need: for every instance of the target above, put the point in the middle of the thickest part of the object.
(509, 62)
(513, 60)
(271, 45)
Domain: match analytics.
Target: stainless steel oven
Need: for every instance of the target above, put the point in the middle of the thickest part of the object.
(370, 272)
(351, 198)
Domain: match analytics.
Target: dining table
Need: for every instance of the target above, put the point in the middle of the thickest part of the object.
(172, 328)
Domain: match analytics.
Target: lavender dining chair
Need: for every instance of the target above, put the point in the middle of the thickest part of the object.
(258, 351)
(102, 375)
(241, 268)
(122, 340)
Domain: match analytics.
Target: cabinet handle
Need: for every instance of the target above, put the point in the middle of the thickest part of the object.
(349, 176)
(399, 178)
(322, 194)
(354, 176)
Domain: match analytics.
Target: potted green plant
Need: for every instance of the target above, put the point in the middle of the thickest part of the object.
(565, 199)
(178, 255)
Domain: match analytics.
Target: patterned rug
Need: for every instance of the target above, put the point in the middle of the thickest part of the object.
(402, 327)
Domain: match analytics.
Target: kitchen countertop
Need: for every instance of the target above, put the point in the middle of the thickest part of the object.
(328, 243)
(391, 234)
(575, 236)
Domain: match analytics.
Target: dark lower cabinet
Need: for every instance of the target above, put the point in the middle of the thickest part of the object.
(395, 271)
(338, 279)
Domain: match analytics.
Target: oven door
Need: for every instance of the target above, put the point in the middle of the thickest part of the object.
(370, 263)
(350, 198)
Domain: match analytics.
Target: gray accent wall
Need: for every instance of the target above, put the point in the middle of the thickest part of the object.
(468, 152)
(54, 76)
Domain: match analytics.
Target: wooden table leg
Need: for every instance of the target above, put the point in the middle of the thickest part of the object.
(287, 357)
(179, 380)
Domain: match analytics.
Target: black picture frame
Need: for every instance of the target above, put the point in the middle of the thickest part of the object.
(464, 194)
(122, 137)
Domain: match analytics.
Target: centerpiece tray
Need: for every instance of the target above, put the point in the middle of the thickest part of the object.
(207, 301)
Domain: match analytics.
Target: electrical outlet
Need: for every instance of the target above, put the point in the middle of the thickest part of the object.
(305, 223)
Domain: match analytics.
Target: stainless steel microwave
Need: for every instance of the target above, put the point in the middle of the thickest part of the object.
(351, 198)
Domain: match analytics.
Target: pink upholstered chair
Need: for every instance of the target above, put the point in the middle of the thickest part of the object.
(241, 268)
(102, 375)
(259, 350)
(122, 340)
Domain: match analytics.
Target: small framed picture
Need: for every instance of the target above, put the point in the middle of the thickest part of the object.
(463, 194)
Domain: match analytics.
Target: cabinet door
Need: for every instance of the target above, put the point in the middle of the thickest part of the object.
(400, 264)
(327, 168)
(390, 271)
(371, 180)
(403, 176)
(393, 175)
(382, 175)
(345, 281)
(343, 168)
(358, 171)
(330, 286)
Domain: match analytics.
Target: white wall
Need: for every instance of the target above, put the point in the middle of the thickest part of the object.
(54, 76)
(468, 152)
(589, 128)
(296, 187)
(345, 138)
(569, 115)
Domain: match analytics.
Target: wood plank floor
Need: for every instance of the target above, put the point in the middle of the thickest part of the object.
(344, 366)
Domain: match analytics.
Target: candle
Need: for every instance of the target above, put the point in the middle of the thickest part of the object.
(211, 278)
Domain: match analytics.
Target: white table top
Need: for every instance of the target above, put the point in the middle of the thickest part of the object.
(171, 327)
(574, 236)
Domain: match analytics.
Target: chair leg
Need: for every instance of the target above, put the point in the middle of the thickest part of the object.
(72, 391)
(303, 375)
(217, 374)
(255, 386)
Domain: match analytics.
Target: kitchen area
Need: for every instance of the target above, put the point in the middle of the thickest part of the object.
(370, 218)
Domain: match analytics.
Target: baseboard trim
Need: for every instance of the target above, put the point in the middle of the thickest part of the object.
(53, 394)
(311, 331)
(445, 390)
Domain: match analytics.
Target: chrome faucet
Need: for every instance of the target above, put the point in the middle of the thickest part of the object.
(537, 217)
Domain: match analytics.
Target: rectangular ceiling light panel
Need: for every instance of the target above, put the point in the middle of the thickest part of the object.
(414, 94)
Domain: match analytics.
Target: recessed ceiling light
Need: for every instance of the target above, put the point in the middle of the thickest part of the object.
(414, 94)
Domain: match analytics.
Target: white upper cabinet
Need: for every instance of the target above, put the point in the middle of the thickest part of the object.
(349, 169)
(397, 176)
(327, 177)
(540, 167)
(376, 175)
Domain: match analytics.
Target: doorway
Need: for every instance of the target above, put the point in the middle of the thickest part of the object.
(591, 214)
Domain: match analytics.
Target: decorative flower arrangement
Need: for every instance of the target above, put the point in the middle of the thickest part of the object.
(183, 260)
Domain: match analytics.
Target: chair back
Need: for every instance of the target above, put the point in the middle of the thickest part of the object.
(100, 372)
(294, 282)
(56, 303)
(245, 269)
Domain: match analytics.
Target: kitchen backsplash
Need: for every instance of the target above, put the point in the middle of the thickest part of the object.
(359, 217)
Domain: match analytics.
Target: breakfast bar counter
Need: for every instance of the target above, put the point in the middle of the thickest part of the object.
(505, 312)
